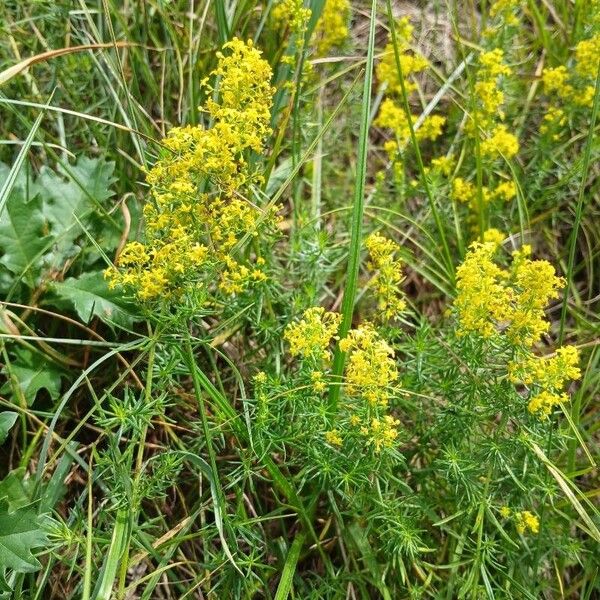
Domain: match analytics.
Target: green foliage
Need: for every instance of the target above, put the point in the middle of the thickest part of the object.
(7, 419)
(91, 297)
(23, 234)
(21, 532)
(194, 440)
(30, 372)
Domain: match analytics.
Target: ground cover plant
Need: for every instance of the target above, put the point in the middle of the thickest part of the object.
(299, 299)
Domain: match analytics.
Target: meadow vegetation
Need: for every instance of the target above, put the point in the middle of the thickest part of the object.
(299, 299)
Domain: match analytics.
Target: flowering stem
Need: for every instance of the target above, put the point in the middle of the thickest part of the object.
(436, 216)
(579, 208)
(357, 214)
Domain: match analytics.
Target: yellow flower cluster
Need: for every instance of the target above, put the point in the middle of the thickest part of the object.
(491, 300)
(573, 86)
(587, 55)
(318, 384)
(411, 63)
(388, 277)
(481, 301)
(548, 375)
(332, 28)
(381, 433)
(554, 120)
(494, 301)
(443, 164)
(333, 437)
(391, 114)
(505, 9)
(189, 232)
(534, 284)
(466, 192)
(526, 520)
(291, 14)
(370, 367)
(494, 236)
(500, 142)
(311, 336)
(490, 98)
(369, 375)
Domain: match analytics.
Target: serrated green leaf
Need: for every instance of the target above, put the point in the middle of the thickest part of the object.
(32, 374)
(7, 419)
(43, 218)
(90, 296)
(20, 533)
(70, 196)
(16, 490)
(23, 235)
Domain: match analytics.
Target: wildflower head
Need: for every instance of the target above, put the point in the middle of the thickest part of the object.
(527, 521)
(587, 54)
(494, 236)
(190, 233)
(332, 28)
(333, 437)
(482, 299)
(370, 366)
(542, 404)
(491, 300)
(500, 143)
(534, 284)
(311, 336)
(381, 433)
(292, 15)
(388, 274)
(491, 64)
(410, 63)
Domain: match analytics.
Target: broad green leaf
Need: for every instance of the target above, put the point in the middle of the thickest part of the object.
(20, 533)
(33, 373)
(23, 234)
(7, 419)
(16, 489)
(43, 217)
(90, 296)
(69, 196)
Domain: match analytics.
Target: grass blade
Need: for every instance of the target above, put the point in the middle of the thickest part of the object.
(287, 576)
(14, 171)
(357, 211)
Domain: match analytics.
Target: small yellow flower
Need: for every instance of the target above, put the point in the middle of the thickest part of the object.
(500, 142)
(318, 385)
(526, 520)
(332, 27)
(444, 164)
(388, 277)
(382, 433)
(370, 367)
(587, 54)
(310, 337)
(260, 378)
(493, 235)
(333, 437)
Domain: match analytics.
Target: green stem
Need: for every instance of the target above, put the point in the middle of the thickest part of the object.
(413, 138)
(357, 214)
(587, 153)
(135, 510)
